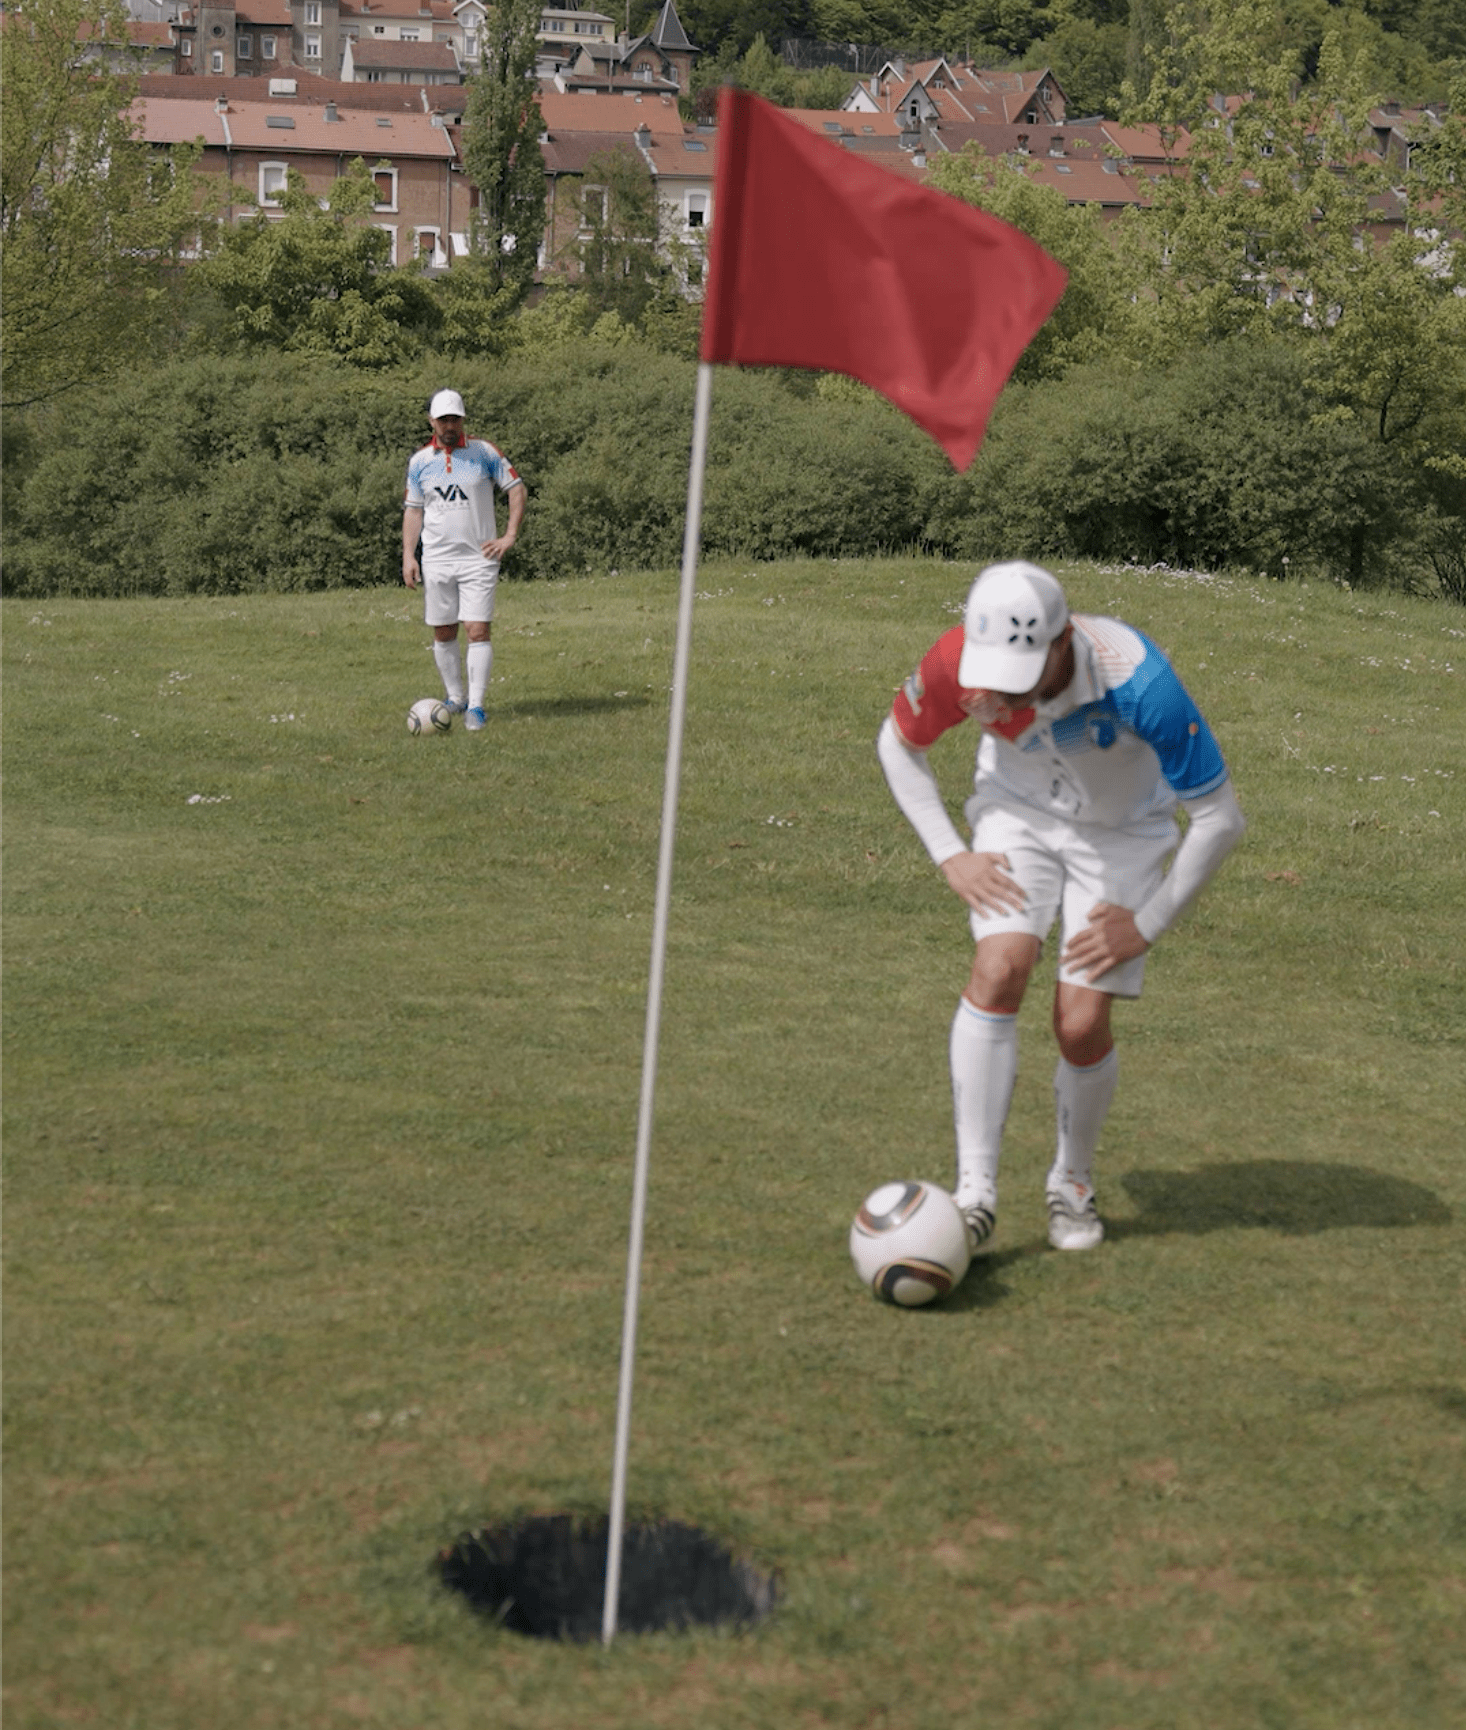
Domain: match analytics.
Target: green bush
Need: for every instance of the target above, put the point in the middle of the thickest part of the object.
(283, 472)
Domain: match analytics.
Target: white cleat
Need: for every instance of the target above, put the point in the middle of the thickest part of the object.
(1074, 1222)
(981, 1219)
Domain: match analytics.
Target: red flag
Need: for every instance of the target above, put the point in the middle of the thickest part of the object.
(823, 260)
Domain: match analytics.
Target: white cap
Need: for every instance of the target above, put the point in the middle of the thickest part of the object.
(445, 402)
(1014, 612)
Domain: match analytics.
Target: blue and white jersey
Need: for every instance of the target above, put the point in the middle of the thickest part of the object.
(1119, 747)
(455, 492)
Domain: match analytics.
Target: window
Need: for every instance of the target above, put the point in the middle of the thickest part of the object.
(244, 47)
(185, 48)
(644, 71)
(430, 246)
(386, 228)
(312, 47)
(313, 11)
(406, 35)
(267, 47)
(697, 209)
(216, 60)
(386, 184)
(272, 184)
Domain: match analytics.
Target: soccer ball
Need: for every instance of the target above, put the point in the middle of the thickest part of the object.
(428, 715)
(909, 1243)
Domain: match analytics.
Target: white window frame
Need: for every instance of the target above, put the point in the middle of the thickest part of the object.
(216, 60)
(267, 48)
(409, 33)
(244, 48)
(391, 229)
(312, 47)
(437, 258)
(313, 11)
(699, 204)
(392, 205)
(267, 199)
(185, 48)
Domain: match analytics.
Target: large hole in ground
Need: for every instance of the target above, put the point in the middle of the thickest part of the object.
(546, 1577)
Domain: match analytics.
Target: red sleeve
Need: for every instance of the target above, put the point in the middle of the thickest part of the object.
(927, 704)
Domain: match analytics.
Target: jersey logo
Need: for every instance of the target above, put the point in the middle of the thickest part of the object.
(452, 494)
(1102, 731)
(915, 689)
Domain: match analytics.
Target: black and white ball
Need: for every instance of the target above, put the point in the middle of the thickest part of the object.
(428, 715)
(909, 1243)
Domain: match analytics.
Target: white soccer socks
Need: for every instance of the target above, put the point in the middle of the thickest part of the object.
(480, 665)
(1082, 1102)
(446, 655)
(984, 1057)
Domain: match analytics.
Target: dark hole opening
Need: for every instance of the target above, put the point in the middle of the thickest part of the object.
(546, 1577)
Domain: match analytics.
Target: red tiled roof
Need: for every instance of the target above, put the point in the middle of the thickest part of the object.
(405, 56)
(379, 98)
(355, 134)
(565, 112)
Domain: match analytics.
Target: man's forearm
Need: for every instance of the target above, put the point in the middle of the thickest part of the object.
(915, 790)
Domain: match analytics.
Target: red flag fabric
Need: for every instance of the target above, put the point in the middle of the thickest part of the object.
(822, 260)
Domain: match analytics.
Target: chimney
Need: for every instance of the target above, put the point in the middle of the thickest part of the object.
(331, 115)
(221, 105)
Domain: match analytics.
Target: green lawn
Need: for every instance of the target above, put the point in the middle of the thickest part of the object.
(322, 1054)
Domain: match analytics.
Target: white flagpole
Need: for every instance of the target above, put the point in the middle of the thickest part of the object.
(691, 542)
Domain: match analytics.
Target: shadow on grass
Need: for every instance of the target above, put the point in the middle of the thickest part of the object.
(553, 708)
(1292, 1197)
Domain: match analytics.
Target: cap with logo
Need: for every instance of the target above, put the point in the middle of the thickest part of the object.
(1014, 612)
(444, 403)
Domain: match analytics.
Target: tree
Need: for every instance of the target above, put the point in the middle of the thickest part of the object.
(315, 280)
(623, 267)
(92, 221)
(501, 149)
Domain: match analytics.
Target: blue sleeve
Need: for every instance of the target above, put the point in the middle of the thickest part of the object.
(1156, 706)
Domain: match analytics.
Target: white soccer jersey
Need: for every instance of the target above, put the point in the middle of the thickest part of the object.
(455, 492)
(1118, 747)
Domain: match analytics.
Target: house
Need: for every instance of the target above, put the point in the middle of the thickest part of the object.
(660, 61)
(458, 26)
(648, 127)
(400, 62)
(257, 37)
(563, 33)
(252, 141)
(940, 91)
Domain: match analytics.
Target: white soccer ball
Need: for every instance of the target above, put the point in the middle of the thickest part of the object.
(428, 715)
(909, 1243)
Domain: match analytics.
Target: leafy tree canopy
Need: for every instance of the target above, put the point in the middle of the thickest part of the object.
(92, 221)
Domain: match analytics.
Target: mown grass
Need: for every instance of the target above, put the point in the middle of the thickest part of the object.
(320, 1108)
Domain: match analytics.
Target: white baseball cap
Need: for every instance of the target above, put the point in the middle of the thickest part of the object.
(445, 402)
(1014, 612)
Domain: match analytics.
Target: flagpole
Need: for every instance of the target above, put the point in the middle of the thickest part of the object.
(691, 542)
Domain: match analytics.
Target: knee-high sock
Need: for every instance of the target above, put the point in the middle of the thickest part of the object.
(480, 665)
(984, 1058)
(1082, 1102)
(446, 655)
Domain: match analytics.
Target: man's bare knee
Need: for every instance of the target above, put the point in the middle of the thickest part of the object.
(1000, 972)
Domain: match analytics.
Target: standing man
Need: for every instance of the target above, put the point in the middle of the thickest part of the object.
(1089, 743)
(450, 508)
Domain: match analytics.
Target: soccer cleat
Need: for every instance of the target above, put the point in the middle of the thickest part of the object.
(474, 719)
(453, 706)
(980, 1218)
(1074, 1222)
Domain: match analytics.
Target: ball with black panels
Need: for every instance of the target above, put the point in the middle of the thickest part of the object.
(429, 715)
(909, 1243)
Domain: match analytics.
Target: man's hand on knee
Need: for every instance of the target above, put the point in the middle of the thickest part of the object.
(984, 883)
(1109, 938)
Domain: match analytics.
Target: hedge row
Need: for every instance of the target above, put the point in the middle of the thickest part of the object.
(282, 472)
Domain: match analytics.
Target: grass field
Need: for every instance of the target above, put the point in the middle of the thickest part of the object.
(322, 1053)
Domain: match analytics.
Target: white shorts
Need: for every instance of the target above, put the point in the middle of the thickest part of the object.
(1066, 868)
(459, 594)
